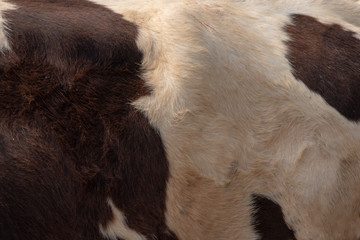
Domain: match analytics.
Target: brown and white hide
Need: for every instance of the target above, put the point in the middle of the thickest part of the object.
(180, 119)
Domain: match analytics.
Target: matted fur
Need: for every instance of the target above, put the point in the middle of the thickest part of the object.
(235, 121)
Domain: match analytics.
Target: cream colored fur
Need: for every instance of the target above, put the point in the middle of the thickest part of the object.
(118, 227)
(235, 122)
(4, 42)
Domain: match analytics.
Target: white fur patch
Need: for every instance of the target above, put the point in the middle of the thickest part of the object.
(4, 42)
(235, 121)
(118, 227)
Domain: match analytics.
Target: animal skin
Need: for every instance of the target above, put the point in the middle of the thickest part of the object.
(179, 120)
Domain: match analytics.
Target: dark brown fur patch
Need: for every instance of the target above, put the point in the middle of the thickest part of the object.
(327, 59)
(268, 220)
(69, 138)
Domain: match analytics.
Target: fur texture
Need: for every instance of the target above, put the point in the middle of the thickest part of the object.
(4, 6)
(327, 59)
(118, 227)
(193, 117)
(69, 137)
(236, 122)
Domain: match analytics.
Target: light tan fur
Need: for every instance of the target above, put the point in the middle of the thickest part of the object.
(236, 122)
(4, 42)
(118, 227)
